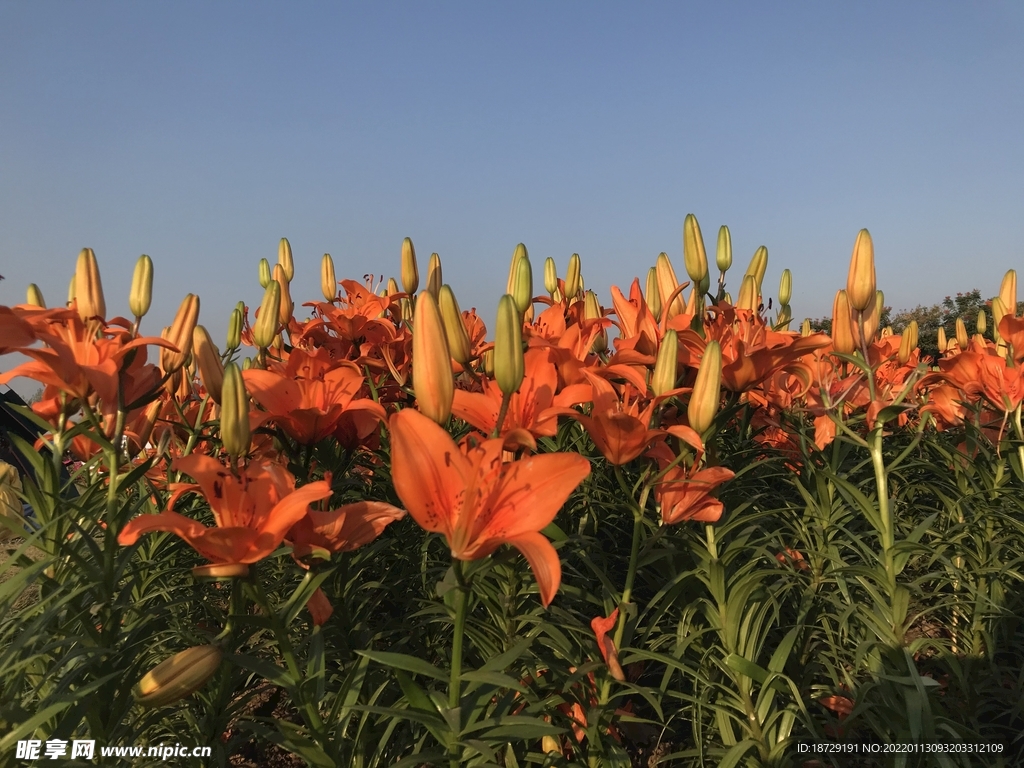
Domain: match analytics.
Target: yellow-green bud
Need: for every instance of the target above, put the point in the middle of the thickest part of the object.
(694, 256)
(410, 272)
(142, 287)
(748, 294)
(328, 281)
(805, 327)
(723, 254)
(550, 276)
(234, 412)
(234, 338)
(454, 326)
(265, 274)
(265, 328)
(652, 294)
(908, 342)
(785, 287)
(522, 286)
(1008, 292)
(88, 288)
(284, 258)
(942, 342)
(961, 333)
(981, 325)
(664, 377)
(517, 254)
(34, 296)
(592, 311)
(707, 389)
(508, 346)
(573, 281)
(758, 265)
(72, 288)
(434, 280)
(177, 677)
(667, 284)
(727, 298)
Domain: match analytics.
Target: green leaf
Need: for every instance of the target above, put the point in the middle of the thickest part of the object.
(746, 667)
(405, 662)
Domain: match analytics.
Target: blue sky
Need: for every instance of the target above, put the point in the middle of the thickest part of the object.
(201, 133)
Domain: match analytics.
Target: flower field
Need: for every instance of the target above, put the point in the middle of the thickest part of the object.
(666, 529)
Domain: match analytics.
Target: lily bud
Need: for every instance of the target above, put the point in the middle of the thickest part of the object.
(886, 332)
(723, 253)
(748, 294)
(432, 380)
(860, 282)
(207, 358)
(942, 343)
(550, 276)
(328, 282)
(727, 298)
(34, 296)
(573, 281)
(842, 329)
(177, 677)
(522, 286)
(664, 377)
(265, 328)
(434, 281)
(285, 306)
(265, 274)
(410, 273)
(592, 311)
(247, 363)
(981, 324)
(1008, 292)
(758, 265)
(149, 417)
(805, 327)
(785, 316)
(667, 284)
(392, 286)
(707, 390)
(234, 413)
(694, 257)
(998, 313)
(487, 360)
(513, 267)
(88, 288)
(180, 335)
(284, 258)
(72, 288)
(652, 295)
(142, 287)
(454, 327)
(870, 320)
(785, 287)
(234, 339)
(908, 342)
(509, 366)
(961, 333)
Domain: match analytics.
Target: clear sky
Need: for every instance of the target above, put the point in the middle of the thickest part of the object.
(201, 133)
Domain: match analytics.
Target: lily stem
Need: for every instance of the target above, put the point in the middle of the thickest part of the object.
(502, 412)
(455, 684)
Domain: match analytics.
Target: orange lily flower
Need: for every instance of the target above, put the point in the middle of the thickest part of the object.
(341, 530)
(638, 329)
(253, 510)
(751, 351)
(478, 502)
(620, 430)
(534, 407)
(309, 397)
(685, 495)
(601, 627)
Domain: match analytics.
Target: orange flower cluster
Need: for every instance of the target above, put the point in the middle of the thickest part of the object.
(653, 393)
